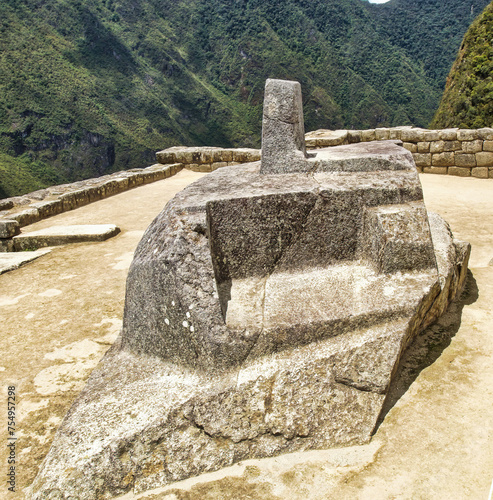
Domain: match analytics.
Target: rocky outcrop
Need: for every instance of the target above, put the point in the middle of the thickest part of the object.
(265, 313)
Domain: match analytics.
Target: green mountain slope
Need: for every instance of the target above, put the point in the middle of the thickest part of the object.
(91, 86)
(468, 98)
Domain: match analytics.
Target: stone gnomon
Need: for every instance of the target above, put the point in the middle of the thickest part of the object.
(266, 311)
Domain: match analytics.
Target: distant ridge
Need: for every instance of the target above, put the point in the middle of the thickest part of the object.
(94, 86)
(468, 98)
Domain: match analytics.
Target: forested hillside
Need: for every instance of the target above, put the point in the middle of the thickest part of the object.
(468, 98)
(91, 86)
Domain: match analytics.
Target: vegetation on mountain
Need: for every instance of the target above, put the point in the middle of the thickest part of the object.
(468, 98)
(92, 86)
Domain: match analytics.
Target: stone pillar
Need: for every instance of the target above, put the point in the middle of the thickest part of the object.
(283, 129)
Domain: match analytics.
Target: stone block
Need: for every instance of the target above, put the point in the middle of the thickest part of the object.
(368, 135)
(488, 145)
(6, 245)
(204, 167)
(459, 171)
(411, 146)
(412, 135)
(448, 134)
(354, 136)
(465, 160)
(397, 237)
(480, 172)
(6, 204)
(246, 155)
(382, 134)
(8, 228)
(490, 172)
(472, 146)
(486, 133)
(422, 159)
(176, 167)
(62, 235)
(283, 129)
(443, 159)
(48, 208)
(435, 170)
(467, 134)
(437, 146)
(26, 217)
(166, 156)
(395, 133)
(452, 145)
(431, 135)
(424, 147)
(484, 159)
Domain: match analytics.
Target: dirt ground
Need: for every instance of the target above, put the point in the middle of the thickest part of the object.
(60, 313)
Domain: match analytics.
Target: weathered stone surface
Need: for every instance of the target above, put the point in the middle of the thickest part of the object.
(488, 145)
(265, 313)
(283, 129)
(484, 159)
(449, 134)
(26, 217)
(368, 135)
(62, 235)
(480, 172)
(414, 135)
(465, 160)
(424, 147)
(382, 134)
(325, 138)
(8, 228)
(422, 159)
(460, 171)
(6, 204)
(10, 260)
(443, 159)
(354, 136)
(453, 146)
(472, 146)
(431, 135)
(362, 157)
(411, 146)
(467, 134)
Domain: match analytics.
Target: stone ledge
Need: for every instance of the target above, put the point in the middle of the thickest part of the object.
(20, 211)
(62, 235)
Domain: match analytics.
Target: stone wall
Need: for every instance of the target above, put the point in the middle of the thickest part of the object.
(207, 159)
(462, 152)
(20, 211)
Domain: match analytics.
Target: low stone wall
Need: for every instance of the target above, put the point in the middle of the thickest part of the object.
(463, 152)
(20, 211)
(207, 159)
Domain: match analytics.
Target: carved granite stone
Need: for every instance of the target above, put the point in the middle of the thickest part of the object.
(267, 308)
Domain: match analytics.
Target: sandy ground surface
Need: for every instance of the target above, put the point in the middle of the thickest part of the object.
(60, 313)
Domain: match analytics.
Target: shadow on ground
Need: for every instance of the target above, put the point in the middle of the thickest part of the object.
(428, 346)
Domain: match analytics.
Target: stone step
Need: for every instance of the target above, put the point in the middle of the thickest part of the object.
(61, 235)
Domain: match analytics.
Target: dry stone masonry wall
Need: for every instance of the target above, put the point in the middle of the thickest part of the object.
(20, 211)
(462, 152)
